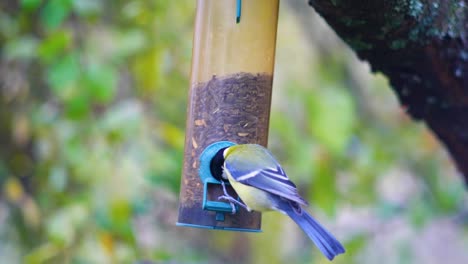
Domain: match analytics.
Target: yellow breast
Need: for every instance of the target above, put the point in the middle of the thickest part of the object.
(255, 199)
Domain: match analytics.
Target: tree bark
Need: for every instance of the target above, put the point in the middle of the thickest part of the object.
(422, 47)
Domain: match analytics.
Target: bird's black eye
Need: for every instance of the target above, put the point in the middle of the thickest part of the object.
(216, 165)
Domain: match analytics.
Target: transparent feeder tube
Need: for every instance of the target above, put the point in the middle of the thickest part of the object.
(230, 95)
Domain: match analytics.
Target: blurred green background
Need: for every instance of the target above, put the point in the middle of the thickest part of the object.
(93, 99)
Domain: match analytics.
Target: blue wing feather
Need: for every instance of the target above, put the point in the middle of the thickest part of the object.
(270, 177)
(322, 238)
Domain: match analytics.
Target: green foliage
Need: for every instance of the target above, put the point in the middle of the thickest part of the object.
(30, 4)
(332, 117)
(54, 12)
(62, 76)
(54, 45)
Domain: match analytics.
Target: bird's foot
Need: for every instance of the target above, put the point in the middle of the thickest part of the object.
(224, 188)
(230, 200)
(233, 201)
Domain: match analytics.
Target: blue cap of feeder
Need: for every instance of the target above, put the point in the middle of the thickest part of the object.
(208, 178)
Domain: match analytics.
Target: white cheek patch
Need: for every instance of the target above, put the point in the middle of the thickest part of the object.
(225, 173)
(225, 152)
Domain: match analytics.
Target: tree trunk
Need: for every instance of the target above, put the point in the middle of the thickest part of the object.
(422, 47)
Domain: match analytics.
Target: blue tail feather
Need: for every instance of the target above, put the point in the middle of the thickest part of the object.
(321, 237)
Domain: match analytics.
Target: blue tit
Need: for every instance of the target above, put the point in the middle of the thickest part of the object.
(263, 185)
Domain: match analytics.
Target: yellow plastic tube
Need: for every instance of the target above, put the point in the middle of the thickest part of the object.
(230, 97)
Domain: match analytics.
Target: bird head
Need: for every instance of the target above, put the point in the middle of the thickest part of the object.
(216, 164)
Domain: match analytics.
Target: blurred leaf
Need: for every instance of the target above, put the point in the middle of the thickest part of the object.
(445, 197)
(324, 190)
(162, 173)
(120, 214)
(147, 71)
(30, 4)
(74, 151)
(420, 213)
(78, 107)
(332, 118)
(54, 45)
(172, 135)
(101, 82)
(63, 75)
(353, 246)
(54, 13)
(115, 218)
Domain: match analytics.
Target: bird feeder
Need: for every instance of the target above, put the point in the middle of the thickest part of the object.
(229, 103)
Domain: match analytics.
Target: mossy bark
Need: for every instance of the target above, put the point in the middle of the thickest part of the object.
(422, 47)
